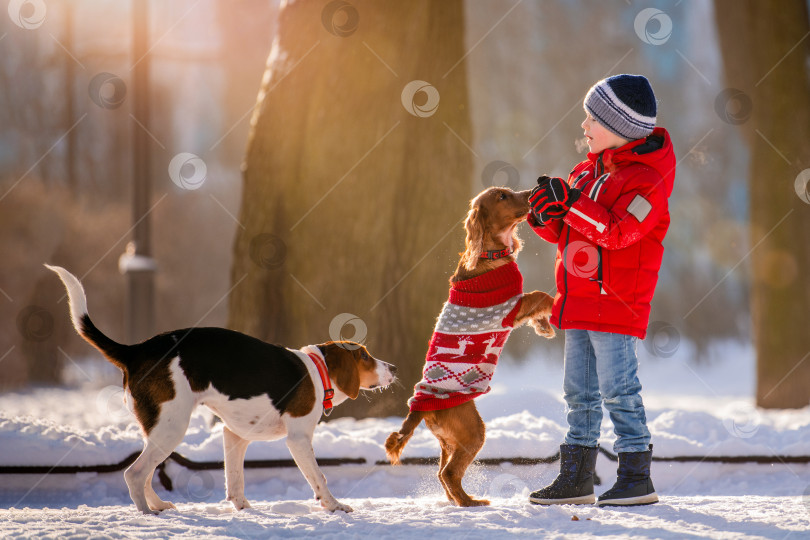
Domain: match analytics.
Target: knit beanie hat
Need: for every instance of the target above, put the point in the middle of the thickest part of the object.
(624, 104)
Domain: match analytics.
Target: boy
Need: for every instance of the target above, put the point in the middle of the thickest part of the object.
(608, 221)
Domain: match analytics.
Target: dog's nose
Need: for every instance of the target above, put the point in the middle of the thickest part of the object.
(392, 368)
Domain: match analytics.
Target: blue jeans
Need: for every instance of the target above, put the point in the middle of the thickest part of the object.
(603, 366)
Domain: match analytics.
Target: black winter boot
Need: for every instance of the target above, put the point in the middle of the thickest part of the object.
(574, 484)
(633, 486)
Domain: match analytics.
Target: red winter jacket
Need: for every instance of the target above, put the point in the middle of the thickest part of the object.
(609, 244)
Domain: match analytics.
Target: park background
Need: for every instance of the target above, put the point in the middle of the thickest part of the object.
(331, 206)
(300, 170)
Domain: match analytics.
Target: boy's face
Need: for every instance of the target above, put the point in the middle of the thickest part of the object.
(599, 137)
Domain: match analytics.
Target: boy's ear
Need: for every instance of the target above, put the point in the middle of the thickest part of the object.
(475, 237)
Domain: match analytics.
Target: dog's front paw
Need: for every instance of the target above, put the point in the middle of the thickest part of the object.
(542, 327)
(239, 502)
(149, 511)
(335, 505)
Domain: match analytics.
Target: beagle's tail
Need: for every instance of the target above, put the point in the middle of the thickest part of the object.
(395, 443)
(114, 352)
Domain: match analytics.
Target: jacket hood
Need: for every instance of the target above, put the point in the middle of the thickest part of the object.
(654, 151)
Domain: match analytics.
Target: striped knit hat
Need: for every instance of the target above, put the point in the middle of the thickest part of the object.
(624, 104)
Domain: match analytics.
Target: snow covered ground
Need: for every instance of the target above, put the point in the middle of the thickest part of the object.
(692, 411)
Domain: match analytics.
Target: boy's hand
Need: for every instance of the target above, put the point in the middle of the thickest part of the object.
(552, 198)
(543, 213)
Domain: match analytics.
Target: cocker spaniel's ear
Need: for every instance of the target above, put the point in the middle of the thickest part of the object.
(474, 243)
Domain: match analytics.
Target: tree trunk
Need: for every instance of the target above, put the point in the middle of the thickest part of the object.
(352, 205)
(765, 47)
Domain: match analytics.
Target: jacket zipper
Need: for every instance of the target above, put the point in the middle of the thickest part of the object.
(599, 279)
(596, 174)
(565, 273)
(599, 171)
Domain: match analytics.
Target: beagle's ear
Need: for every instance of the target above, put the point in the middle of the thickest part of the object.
(342, 366)
(475, 237)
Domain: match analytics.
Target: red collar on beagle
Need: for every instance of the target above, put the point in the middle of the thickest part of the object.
(317, 358)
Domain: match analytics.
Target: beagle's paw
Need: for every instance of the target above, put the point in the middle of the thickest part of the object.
(542, 327)
(335, 505)
(239, 502)
(159, 506)
(149, 511)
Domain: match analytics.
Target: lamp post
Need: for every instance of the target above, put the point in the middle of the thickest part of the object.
(137, 263)
(70, 83)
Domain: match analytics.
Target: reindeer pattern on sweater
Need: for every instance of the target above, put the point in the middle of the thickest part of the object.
(468, 339)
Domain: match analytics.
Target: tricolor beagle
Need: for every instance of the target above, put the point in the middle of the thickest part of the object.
(261, 392)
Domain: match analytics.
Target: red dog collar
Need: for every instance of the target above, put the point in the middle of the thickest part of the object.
(328, 392)
(496, 253)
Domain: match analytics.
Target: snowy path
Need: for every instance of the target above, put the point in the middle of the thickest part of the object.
(426, 516)
(407, 502)
(691, 411)
(679, 517)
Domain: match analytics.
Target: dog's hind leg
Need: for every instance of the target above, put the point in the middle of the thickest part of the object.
(445, 456)
(160, 441)
(464, 431)
(235, 448)
(152, 499)
(158, 447)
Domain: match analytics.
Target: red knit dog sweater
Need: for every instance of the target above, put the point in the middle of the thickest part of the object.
(468, 339)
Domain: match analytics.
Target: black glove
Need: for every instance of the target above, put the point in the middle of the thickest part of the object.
(551, 199)
(535, 202)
